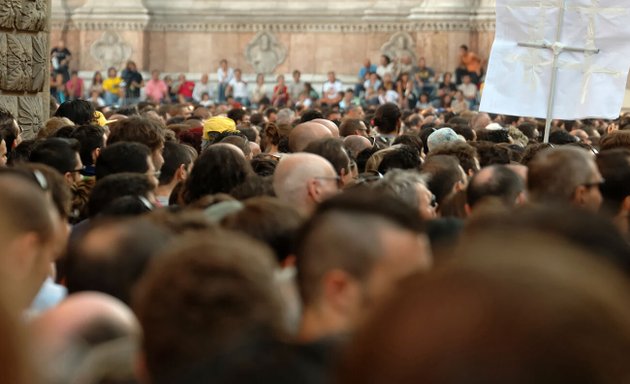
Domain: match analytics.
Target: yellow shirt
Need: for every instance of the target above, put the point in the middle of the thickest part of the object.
(112, 85)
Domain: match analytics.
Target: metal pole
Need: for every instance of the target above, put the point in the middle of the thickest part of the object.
(557, 50)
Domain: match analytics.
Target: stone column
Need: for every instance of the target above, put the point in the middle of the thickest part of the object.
(24, 61)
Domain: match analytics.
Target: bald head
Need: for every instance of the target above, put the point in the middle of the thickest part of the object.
(69, 335)
(332, 127)
(304, 180)
(356, 144)
(304, 134)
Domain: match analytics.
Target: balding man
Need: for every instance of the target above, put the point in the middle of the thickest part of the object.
(565, 175)
(496, 182)
(90, 337)
(305, 133)
(356, 144)
(332, 127)
(304, 180)
(31, 235)
(350, 127)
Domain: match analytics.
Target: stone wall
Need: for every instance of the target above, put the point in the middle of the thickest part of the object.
(271, 36)
(24, 61)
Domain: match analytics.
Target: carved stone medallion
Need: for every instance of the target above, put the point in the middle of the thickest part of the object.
(111, 50)
(265, 52)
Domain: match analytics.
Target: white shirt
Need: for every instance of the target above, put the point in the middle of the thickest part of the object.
(224, 77)
(331, 90)
(239, 89)
(200, 89)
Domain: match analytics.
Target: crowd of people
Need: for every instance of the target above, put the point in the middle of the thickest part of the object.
(394, 80)
(189, 243)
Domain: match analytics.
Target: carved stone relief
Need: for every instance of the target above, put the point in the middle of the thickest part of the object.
(24, 61)
(399, 45)
(265, 52)
(29, 114)
(19, 63)
(111, 50)
(31, 16)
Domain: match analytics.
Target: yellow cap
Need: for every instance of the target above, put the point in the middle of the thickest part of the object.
(100, 119)
(218, 124)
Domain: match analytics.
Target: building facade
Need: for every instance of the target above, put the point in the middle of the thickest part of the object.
(268, 36)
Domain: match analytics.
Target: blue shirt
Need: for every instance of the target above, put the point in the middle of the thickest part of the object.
(364, 71)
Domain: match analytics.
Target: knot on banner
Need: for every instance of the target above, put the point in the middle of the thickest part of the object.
(557, 48)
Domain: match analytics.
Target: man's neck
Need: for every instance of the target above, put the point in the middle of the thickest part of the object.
(319, 322)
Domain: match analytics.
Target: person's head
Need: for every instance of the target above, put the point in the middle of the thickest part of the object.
(218, 169)
(333, 150)
(177, 163)
(31, 234)
(400, 157)
(445, 176)
(351, 127)
(270, 221)
(350, 255)
(110, 256)
(356, 144)
(465, 153)
(60, 154)
(566, 174)
(124, 157)
(540, 313)
(57, 188)
(92, 140)
(113, 187)
(304, 180)
(141, 130)
(89, 337)
(387, 119)
(614, 166)
(616, 139)
(496, 182)
(410, 187)
(80, 112)
(9, 129)
(303, 134)
(220, 297)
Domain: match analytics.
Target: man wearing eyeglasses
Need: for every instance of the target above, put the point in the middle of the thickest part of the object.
(304, 180)
(62, 155)
(566, 175)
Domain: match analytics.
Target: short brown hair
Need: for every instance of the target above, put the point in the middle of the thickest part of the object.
(202, 297)
(139, 130)
(269, 220)
(618, 139)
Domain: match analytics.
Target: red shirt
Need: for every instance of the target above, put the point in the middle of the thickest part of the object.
(186, 89)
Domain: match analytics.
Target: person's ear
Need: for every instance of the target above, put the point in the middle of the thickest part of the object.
(579, 195)
(181, 174)
(313, 190)
(95, 154)
(69, 177)
(340, 291)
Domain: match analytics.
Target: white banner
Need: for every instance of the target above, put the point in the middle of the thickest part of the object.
(588, 84)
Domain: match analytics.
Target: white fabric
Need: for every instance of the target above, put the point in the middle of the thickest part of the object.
(588, 85)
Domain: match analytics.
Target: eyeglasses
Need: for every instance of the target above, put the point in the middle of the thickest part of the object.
(332, 178)
(594, 184)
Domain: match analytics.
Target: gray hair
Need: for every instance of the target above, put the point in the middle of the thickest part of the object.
(403, 184)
